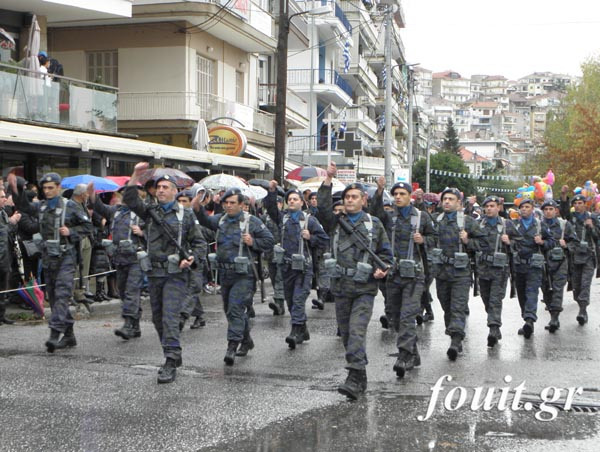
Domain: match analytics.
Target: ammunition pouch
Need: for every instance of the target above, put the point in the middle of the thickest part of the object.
(241, 264)
(278, 254)
(500, 260)
(298, 262)
(53, 248)
(32, 248)
(329, 265)
(537, 260)
(581, 254)
(556, 254)
(436, 256)
(173, 261)
(363, 272)
(144, 261)
(407, 268)
(108, 246)
(126, 247)
(461, 260)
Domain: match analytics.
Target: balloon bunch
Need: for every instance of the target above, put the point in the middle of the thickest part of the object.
(539, 190)
(590, 191)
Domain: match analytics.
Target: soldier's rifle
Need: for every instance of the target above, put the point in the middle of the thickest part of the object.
(362, 242)
(152, 211)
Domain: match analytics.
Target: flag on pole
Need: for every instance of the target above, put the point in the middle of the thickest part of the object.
(381, 123)
(347, 56)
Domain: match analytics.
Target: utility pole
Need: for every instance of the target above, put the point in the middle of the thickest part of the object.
(389, 177)
(410, 122)
(281, 93)
(428, 164)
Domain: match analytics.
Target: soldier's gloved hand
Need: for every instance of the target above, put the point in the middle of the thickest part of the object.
(186, 263)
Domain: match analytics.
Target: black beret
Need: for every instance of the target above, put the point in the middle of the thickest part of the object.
(50, 177)
(527, 201)
(404, 185)
(550, 203)
(579, 197)
(453, 191)
(291, 191)
(353, 186)
(491, 198)
(231, 192)
(167, 178)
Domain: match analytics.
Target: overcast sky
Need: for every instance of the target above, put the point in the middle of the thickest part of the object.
(509, 37)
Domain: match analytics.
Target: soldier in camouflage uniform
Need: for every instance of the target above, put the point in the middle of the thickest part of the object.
(493, 263)
(458, 234)
(529, 243)
(168, 271)
(583, 252)
(556, 262)
(278, 303)
(127, 237)
(240, 237)
(61, 224)
(353, 300)
(300, 234)
(409, 231)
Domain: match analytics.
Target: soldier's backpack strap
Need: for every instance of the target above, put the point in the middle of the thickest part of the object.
(563, 225)
(369, 226)
(394, 223)
(415, 223)
(244, 229)
(460, 222)
(303, 226)
(180, 214)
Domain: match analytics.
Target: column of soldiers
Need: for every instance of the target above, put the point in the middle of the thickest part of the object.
(355, 246)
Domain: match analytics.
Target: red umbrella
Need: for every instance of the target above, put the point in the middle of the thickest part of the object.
(121, 180)
(303, 173)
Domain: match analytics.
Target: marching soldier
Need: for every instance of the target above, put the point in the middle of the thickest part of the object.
(61, 224)
(169, 230)
(408, 229)
(583, 252)
(354, 272)
(556, 261)
(530, 242)
(240, 237)
(494, 264)
(301, 233)
(127, 237)
(458, 235)
(278, 303)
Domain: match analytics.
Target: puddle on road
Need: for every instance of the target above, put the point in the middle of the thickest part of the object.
(387, 423)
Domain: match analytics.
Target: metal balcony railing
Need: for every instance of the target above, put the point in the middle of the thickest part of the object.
(33, 96)
(327, 77)
(267, 96)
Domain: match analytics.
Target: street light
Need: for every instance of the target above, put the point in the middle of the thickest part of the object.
(281, 92)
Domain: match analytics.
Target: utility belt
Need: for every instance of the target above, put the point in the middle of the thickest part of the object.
(499, 260)
(297, 261)
(359, 274)
(460, 260)
(582, 253)
(535, 261)
(407, 268)
(240, 266)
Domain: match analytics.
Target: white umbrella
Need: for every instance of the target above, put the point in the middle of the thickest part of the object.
(33, 47)
(314, 183)
(257, 192)
(223, 182)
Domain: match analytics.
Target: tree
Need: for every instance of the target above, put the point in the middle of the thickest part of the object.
(572, 135)
(444, 161)
(450, 143)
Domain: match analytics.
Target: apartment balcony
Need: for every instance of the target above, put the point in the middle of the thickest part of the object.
(360, 76)
(333, 25)
(296, 114)
(191, 106)
(326, 83)
(359, 16)
(357, 119)
(57, 101)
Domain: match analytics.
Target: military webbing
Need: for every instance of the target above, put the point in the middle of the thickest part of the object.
(501, 228)
(460, 222)
(303, 225)
(414, 226)
(133, 218)
(336, 237)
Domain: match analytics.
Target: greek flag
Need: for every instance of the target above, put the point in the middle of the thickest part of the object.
(368, 3)
(381, 123)
(347, 57)
(384, 76)
(343, 125)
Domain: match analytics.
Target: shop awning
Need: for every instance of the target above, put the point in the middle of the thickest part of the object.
(85, 142)
(268, 157)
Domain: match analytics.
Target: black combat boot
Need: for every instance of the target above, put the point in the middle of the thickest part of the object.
(582, 317)
(385, 323)
(355, 384)
(68, 339)
(319, 303)
(400, 364)
(528, 328)
(182, 321)
(111, 282)
(295, 336)
(304, 332)
(494, 336)
(230, 353)
(126, 331)
(251, 312)
(246, 345)
(199, 322)
(420, 319)
(428, 316)
(3, 318)
(52, 342)
(168, 372)
(455, 347)
(135, 327)
(554, 324)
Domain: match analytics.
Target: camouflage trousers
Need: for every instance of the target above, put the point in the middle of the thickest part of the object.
(353, 315)
(454, 298)
(167, 295)
(276, 281)
(582, 281)
(129, 284)
(59, 276)
(237, 292)
(527, 282)
(404, 300)
(296, 287)
(323, 280)
(553, 296)
(193, 305)
(493, 291)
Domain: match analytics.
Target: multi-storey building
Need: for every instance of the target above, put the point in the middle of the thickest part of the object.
(451, 86)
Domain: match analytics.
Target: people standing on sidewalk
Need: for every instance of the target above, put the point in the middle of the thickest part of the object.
(8, 231)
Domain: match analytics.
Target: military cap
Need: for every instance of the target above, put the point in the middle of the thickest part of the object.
(578, 198)
(280, 199)
(491, 198)
(50, 177)
(312, 194)
(166, 177)
(186, 192)
(353, 186)
(403, 185)
(292, 191)
(231, 192)
(527, 201)
(550, 203)
(337, 203)
(453, 191)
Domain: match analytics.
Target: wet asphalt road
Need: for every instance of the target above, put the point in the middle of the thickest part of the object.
(103, 396)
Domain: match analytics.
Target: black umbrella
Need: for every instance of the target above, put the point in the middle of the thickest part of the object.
(265, 184)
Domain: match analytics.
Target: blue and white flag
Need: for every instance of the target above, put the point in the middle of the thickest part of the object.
(368, 3)
(347, 57)
(381, 123)
(343, 125)
(384, 76)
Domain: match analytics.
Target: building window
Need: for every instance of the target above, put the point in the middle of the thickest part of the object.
(239, 87)
(205, 82)
(103, 67)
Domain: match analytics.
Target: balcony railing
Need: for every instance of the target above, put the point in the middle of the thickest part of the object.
(33, 96)
(192, 106)
(267, 96)
(327, 77)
